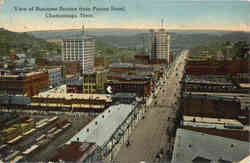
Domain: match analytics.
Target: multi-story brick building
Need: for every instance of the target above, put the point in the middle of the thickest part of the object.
(27, 84)
(130, 78)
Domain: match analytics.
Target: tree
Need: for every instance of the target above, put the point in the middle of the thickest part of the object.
(240, 48)
(109, 51)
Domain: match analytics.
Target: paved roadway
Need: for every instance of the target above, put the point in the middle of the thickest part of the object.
(150, 134)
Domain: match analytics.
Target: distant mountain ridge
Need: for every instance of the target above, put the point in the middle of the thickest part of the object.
(132, 38)
(23, 43)
(53, 34)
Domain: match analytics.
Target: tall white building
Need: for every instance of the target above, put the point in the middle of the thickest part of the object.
(80, 48)
(160, 45)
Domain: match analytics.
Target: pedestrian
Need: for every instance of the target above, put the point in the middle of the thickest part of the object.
(161, 151)
(157, 157)
(127, 143)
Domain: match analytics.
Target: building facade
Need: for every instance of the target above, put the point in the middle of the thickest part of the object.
(89, 83)
(80, 48)
(160, 49)
(95, 103)
(55, 76)
(141, 88)
(27, 84)
(94, 82)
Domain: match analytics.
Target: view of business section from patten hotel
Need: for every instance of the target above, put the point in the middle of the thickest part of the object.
(159, 108)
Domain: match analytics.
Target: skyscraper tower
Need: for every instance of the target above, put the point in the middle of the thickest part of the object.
(80, 48)
(160, 49)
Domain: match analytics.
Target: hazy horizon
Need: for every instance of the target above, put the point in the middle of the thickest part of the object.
(139, 29)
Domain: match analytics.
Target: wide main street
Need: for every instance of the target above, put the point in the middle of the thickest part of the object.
(150, 137)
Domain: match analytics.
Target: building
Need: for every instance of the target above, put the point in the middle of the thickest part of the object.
(212, 83)
(94, 82)
(123, 98)
(141, 88)
(122, 67)
(14, 100)
(76, 86)
(196, 147)
(80, 48)
(216, 67)
(76, 102)
(77, 152)
(101, 78)
(89, 83)
(72, 68)
(242, 77)
(211, 106)
(142, 59)
(130, 78)
(99, 62)
(27, 84)
(160, 49)
(110, 129)
(69, 67)
(70, 79)
(55, 76)
(4, 72)
(228, 128)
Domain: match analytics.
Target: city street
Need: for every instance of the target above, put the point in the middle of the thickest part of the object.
(149, 141)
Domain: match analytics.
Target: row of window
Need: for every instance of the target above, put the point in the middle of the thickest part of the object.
(210, 88)
(72, 44)
(81, 56)
(92, 87)
(76, 52)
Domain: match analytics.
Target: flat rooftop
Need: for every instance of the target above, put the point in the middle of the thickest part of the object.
(191, 146)
(243, 98)
(245, 85)
(122, 65)
(211, 96)
(210, 120)
(24, 74)
(104, 125)
(70, 96)
(76, 152)
(217, 79)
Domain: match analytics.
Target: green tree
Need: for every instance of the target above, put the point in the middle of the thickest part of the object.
(240, 48)
(109, 51)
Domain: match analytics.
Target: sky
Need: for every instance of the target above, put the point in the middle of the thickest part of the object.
(135, 14)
